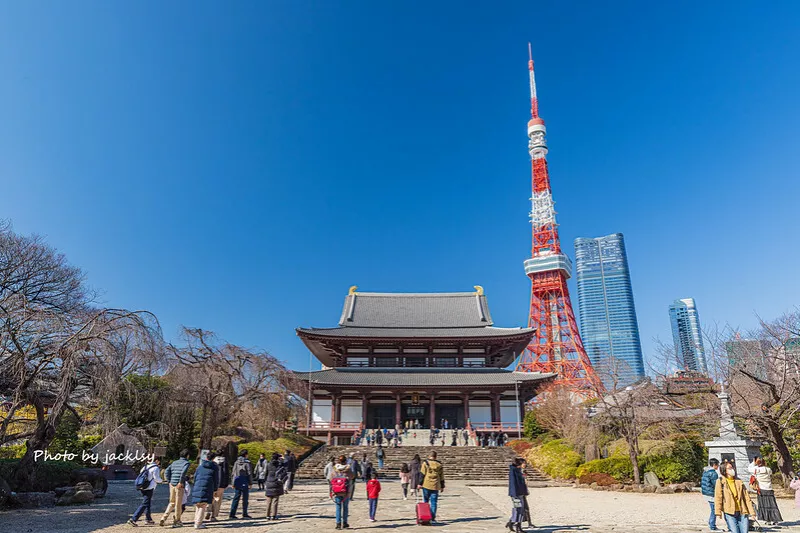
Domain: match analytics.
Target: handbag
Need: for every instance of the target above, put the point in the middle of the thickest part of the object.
(516, 502)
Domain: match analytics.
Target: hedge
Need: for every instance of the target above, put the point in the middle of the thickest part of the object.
(300, 445)
(556, 458)
(49, 474)
(683, 462)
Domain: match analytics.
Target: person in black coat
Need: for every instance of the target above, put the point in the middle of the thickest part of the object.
(206, 482)
(290, 463)
(416, 475)
(276, 477)
(518, 490)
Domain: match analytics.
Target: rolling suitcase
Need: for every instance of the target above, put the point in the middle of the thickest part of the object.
(424, 516)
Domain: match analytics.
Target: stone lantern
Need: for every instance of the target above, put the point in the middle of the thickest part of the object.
(730, 446)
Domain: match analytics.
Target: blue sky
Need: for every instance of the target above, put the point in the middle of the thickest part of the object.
(237, 166)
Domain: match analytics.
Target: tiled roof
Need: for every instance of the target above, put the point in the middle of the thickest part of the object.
(422, 333)
(415, 310)
(422, 377)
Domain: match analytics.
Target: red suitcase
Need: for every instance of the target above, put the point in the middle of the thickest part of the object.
(424, 514)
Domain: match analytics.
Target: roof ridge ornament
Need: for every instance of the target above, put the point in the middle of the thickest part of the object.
(479, 290)
(352, 289)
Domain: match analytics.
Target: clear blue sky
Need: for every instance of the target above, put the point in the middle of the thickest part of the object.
(237, 166)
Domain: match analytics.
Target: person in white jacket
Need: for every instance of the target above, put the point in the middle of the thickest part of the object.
(767, 505)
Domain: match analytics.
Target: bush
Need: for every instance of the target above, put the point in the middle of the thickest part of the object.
(603, 480)
(530, 426)
(49, 474)
(520, 446)
(300, 445)
(619, 468)
(556, 458)
(678, 461)
(12, 451)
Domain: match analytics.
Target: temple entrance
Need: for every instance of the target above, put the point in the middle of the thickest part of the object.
(454, 414)
(417, 413)
(380, 416)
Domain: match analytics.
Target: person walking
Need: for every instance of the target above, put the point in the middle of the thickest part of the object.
(290, 463)
(275, 477)
(328, 472)
(415, 474)
(432, 482)
(260, 471)
(152, 476)
(242, 472)
(378, 437)
(707, 484)
(732, 501)
(517, 490)
(373, 490)
(454, 438)
(465, 436)
(340, 491)
(355, 468)
(205, 484)
(767, 509)
(223, 475)
(366, 469)
(381, 455)
(795, 486)
(405, 478)
(432, 438)
(175, 476)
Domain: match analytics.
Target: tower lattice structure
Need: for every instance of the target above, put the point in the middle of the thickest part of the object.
(557, 345)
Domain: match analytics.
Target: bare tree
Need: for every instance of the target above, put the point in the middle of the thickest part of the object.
(51, 339)
(219, 378)
(764, 380)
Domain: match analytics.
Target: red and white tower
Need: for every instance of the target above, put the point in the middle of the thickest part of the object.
(557, 346)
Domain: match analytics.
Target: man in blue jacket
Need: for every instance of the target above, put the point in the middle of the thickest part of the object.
(707, 485)
(175, 475)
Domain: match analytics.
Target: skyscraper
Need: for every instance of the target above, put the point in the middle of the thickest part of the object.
(687, 335)
(609, 328)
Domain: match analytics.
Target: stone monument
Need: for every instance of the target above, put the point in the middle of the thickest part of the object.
(730, 445)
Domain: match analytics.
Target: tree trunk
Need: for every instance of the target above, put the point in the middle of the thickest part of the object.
(785, 464)
(24, 474)
(633, 452)
(206, 431)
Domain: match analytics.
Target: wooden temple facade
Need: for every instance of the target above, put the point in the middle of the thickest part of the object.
(424, 358)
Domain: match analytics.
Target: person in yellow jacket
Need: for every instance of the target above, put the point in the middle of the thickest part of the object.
(732, 501)
(432, 473)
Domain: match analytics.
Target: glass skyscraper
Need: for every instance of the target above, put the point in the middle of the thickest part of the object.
(609, 329)
(687, 335)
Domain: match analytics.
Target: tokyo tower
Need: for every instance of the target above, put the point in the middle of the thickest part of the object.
(556, 347)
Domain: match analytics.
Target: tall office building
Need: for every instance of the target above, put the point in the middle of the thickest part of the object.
(609, 328)
(749, 354)
(687, 335)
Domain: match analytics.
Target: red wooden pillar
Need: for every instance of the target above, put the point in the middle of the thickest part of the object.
(466, 408)
(334, 401)
(364, 405)
(495, 408)
(433, 411)
(397, 412)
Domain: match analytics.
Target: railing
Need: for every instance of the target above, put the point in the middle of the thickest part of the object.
(508, 427)
(352, 426)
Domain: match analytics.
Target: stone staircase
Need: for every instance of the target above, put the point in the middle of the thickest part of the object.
(468, 463)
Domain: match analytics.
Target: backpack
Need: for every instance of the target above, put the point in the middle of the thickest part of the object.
(281, 475)
(143, 479)
(340, 486)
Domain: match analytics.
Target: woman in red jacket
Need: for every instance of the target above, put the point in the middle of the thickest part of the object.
(373, 489)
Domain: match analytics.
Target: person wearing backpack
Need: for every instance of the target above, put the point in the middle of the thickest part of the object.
(149, 476)
(206, 479)
(707, 484)
(260, 471)
(275, 478)
(340, 491)
(355, 468)
(242, 479)
(432, 482)
(517, 490)
(175, 475)
(381, 455)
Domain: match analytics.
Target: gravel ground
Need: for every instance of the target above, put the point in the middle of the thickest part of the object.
(463, 509)
(558, 509)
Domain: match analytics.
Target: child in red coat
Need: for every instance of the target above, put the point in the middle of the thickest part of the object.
(373, 489)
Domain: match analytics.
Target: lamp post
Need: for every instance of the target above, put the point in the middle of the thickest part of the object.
(519, 425)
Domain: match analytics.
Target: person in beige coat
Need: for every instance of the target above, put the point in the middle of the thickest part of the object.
(732, 501)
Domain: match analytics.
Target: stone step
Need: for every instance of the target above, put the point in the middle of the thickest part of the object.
(461, 462)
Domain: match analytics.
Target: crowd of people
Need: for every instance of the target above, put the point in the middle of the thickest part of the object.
(729, 498)
(424, 478)
(206, 487)
(445, 435)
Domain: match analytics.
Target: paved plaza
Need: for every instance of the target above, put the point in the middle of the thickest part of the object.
(462, 508)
